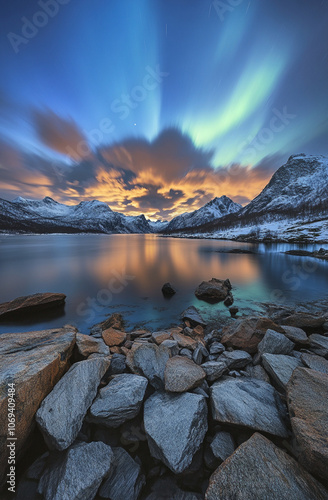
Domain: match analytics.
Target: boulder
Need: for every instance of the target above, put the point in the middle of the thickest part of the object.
(199, 353)
(222, 446)
(117, 364)
(168, 290)
(172, 346)
(319, 344)
(119, 401)
(113, 337)
(87, 345)
(257, 372)
(166, 489)
(175, 425)
(233, 311)
(213, 290)
(308, 407)
(125, 480)
(275, 343)
(182, 374)
(296, 335)
(31, 304)
(315, 362)
(250, 403)
(217, 348)
(260, 470)
(184, 341)
(192, 315)
(114, 321)
(246, 334)
(280, 368)
(214, 369)
(77, 473)
(159, 337)
(33, 362)
(61, 413)
(150, 360)
(236, 359)
(305, 321)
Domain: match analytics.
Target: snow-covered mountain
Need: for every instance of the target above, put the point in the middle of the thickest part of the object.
(215, 209)
(158, 225)
(49, 216)
(303, 180)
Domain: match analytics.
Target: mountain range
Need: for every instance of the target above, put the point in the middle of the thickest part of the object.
(298, 189)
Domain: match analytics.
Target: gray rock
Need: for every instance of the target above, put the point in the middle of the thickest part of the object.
(151, 360)
(222, 445)
(176, 426)
(117, 364)
(159, 337)
(257, 372)
(275, 343)
(214, 369)
(77, 473)
(166, 489)
(250, 403)
(125, 480)
(168, 290)
(217, 348)
(182, 374)
(87, 345)
(172, 346)
(213, 291)
(192, 315)
(61, 413)
(236, 359)
(296, 335)
(119, 401)
(319, 344)
(260, 470)
(186, 353)
(315, 362)
(280, 367)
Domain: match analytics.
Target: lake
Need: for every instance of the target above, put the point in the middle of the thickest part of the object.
(102, 274)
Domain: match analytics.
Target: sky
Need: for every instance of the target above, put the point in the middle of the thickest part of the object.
(158, 106)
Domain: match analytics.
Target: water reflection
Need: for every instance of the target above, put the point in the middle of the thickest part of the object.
(82, 265)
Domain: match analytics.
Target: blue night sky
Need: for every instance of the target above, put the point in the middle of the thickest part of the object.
(157, 106)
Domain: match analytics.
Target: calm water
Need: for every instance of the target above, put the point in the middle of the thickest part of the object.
(101, 274)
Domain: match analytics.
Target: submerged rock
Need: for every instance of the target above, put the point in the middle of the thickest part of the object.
(77, 473)
(250, 403)
(61, 413)
(31, 304)
(125, 480)
(260, 470)
(119, 401)
(214, 290)
(182, 374)
(176, 426)
(307, 398)
(33, 362)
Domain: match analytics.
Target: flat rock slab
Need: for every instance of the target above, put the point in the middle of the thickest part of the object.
(150, 360)
(260, 470)
(182, 374)
(315, 362)
(275, 343)
(280, 367)
(213, 291)
(175, 426)
(296, 335)
(319, 344)
(307, 398)
(77, 473)
(34, 362)
(125, 480)
(236, 359)
(246, 334)
(31, 304)
(250, 403)
(61, 413)
(119, 401)
(192, 315)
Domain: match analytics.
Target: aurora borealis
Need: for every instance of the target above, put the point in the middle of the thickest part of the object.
(157, 106)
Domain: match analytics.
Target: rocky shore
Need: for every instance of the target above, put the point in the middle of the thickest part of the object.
(187, 413)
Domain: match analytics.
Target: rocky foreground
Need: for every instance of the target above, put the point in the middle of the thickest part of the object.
(239, 412)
